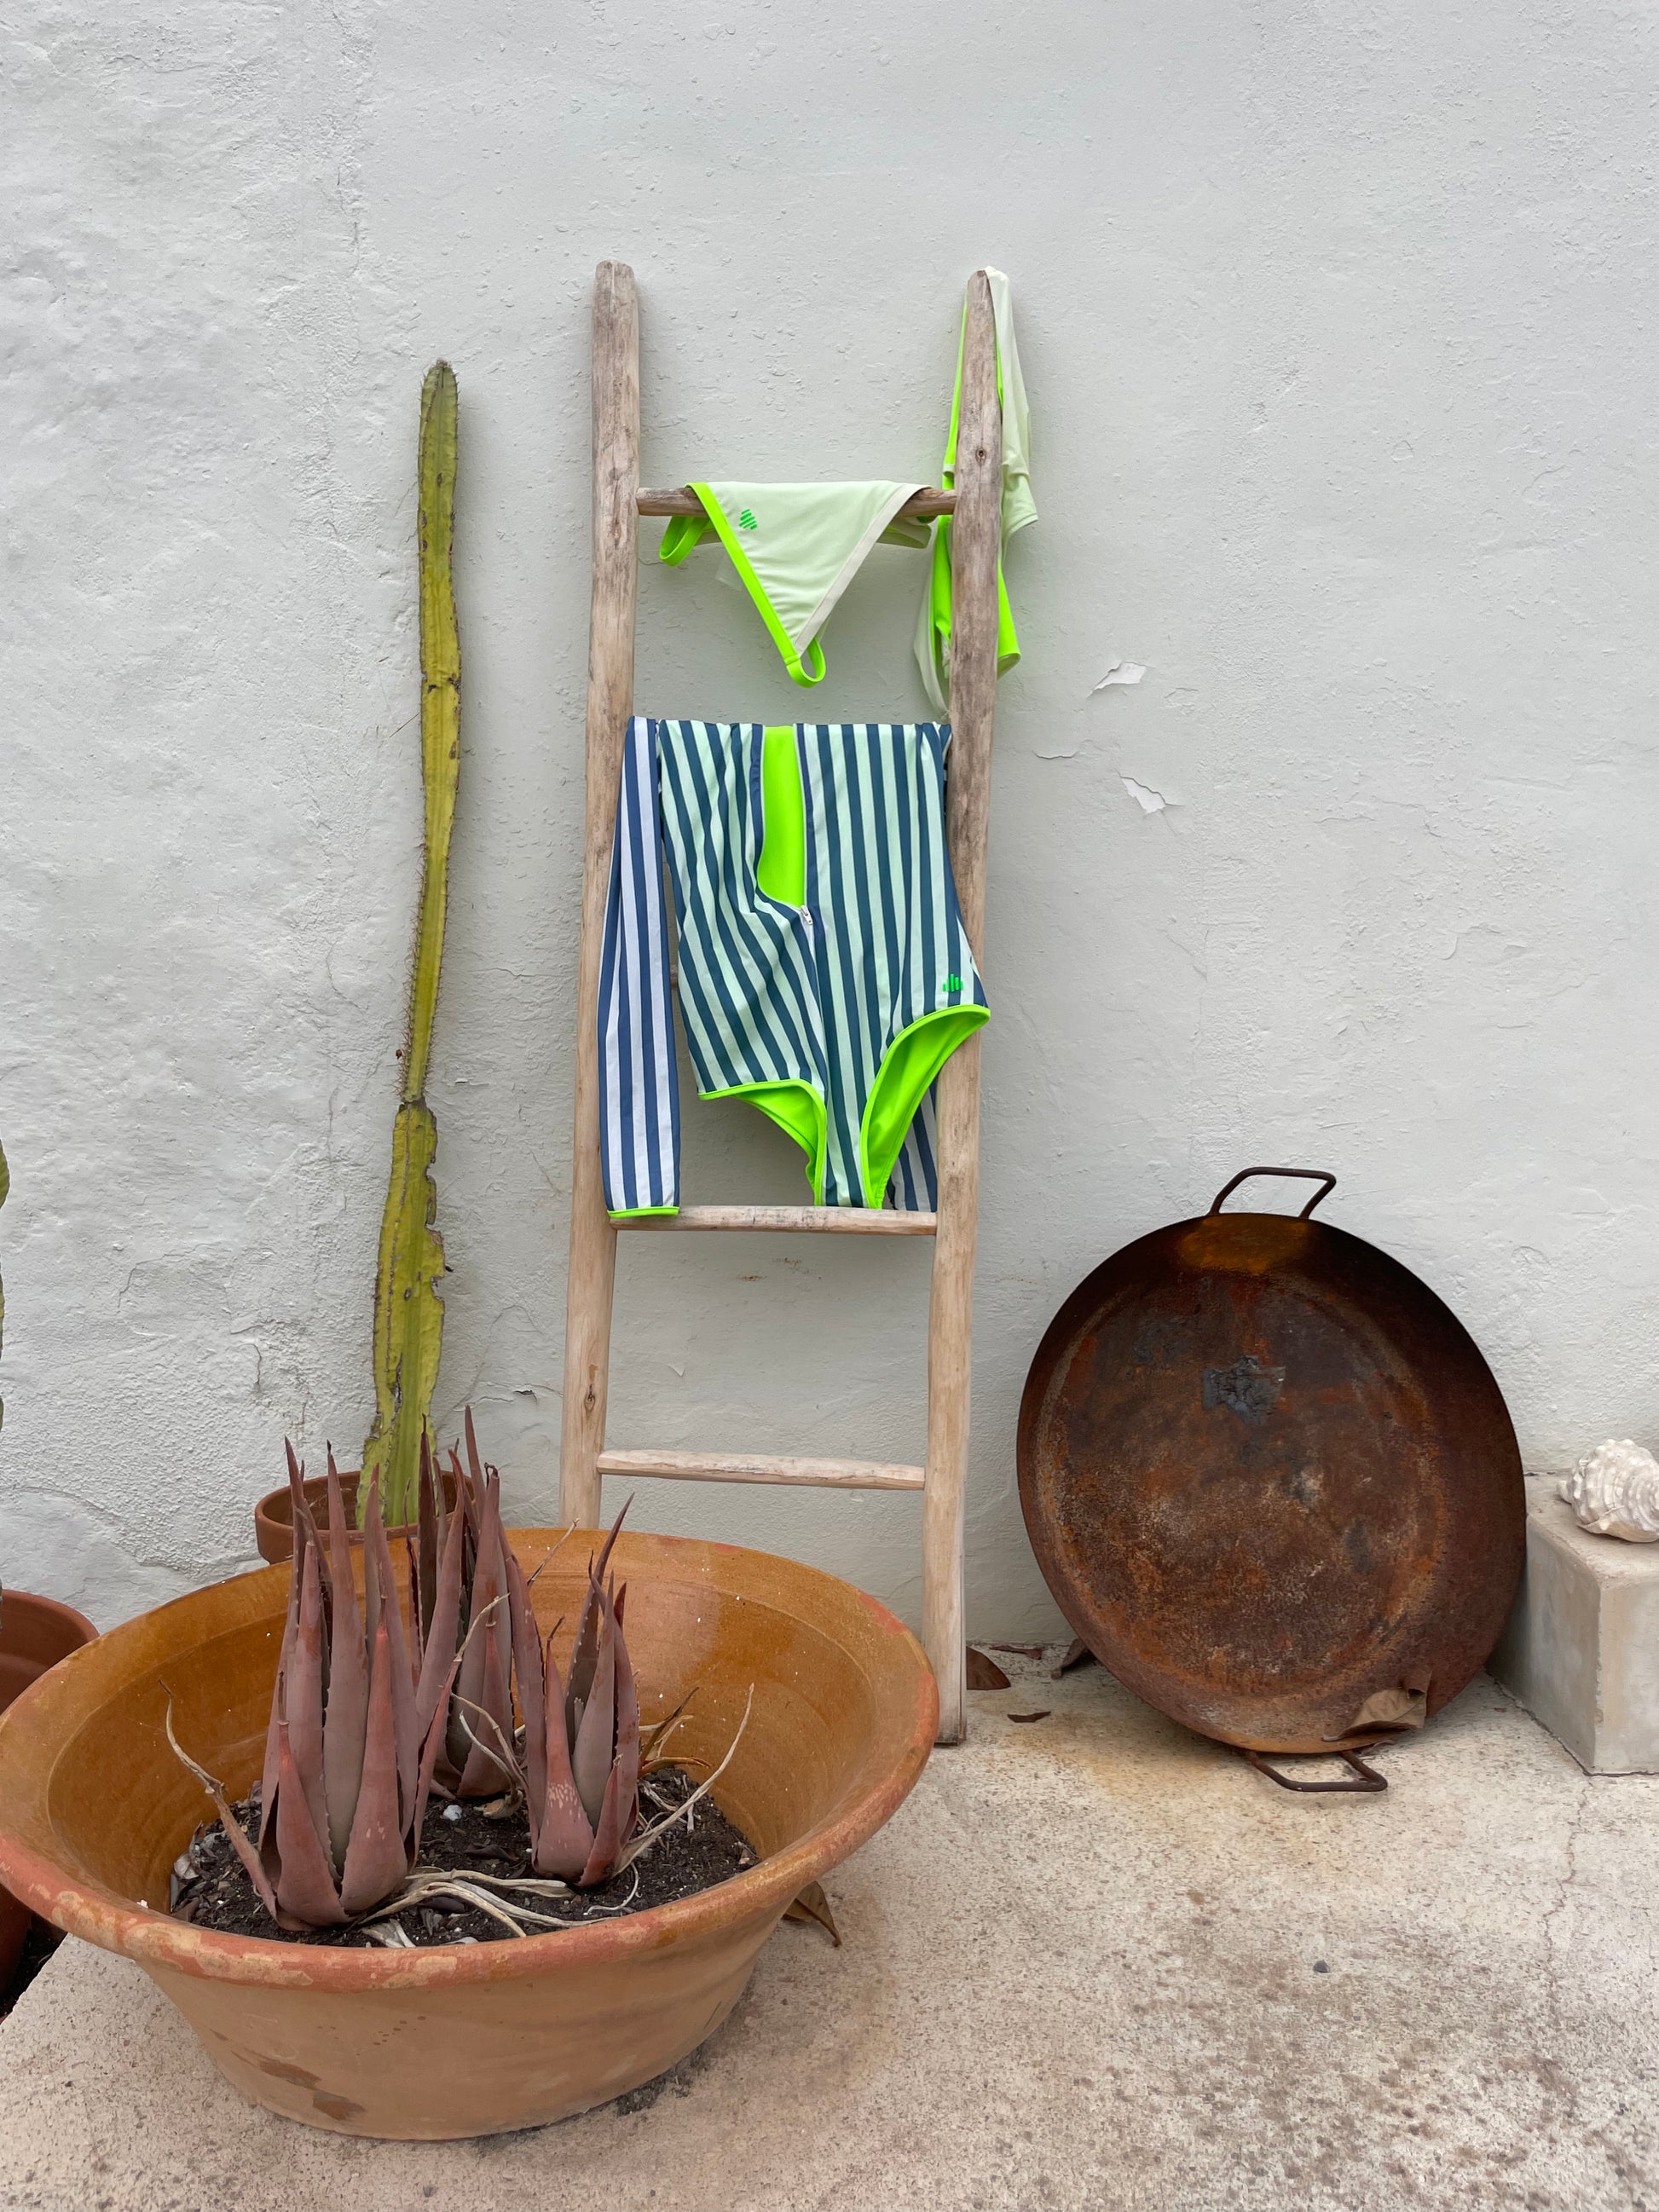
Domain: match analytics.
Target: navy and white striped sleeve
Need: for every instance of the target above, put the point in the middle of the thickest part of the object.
(639, 1089)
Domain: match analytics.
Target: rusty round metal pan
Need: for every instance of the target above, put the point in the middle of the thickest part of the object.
(1271, 1480)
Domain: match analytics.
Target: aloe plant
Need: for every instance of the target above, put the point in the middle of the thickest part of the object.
(409, 1314)
(358, 1722)
(580, 1768)
(477, 1757)
(367, 1720)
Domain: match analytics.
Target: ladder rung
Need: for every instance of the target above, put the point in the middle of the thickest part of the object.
(743, 1466)
(920, 506)
(815, 1220)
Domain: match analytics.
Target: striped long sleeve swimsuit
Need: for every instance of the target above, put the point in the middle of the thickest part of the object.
(824, 973)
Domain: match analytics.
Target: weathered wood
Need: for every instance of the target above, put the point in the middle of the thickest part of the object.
(976, 531)
(588, 1296)
(811, 1220)
(755, 1467)
(920, 506)
(975, 538)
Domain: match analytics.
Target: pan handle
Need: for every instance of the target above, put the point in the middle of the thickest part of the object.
(1366, 1780)
(1303, 1175)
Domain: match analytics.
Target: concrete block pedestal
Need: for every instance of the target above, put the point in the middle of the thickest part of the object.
(1580, 1649)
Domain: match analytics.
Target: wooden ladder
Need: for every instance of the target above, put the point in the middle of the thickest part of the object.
(618, 502)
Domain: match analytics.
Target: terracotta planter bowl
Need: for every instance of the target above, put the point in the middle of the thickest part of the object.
(468, 2039)
(273, 1516)
(35, 1633)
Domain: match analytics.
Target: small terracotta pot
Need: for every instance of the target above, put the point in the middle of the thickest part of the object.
(273, 1516)
(464, 2040)
(35, 1633)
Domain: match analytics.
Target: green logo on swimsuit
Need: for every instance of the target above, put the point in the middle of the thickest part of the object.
(953, 982)
(746, 520)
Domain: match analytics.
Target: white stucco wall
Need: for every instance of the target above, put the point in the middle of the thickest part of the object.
(1338, 327)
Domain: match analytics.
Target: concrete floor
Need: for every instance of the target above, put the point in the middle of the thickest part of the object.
(1094, 1963)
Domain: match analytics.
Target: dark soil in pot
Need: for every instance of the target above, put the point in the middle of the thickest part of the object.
(215, 1893)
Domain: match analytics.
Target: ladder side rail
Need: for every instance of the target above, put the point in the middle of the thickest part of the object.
(591, 1283)
(975, 543)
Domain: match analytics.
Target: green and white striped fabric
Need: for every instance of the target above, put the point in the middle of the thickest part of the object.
(825, 972)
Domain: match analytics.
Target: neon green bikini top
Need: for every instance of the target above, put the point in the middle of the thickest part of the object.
(797, 547)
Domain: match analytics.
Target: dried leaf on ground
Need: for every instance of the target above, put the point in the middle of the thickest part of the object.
(1077, 1654)
(1043, 1715)
(813, 1905)
(984, 1673)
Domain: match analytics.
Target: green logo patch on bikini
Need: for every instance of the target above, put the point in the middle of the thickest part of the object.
(746, 520)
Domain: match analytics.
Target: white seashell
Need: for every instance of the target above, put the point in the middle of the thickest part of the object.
(1615, 1492)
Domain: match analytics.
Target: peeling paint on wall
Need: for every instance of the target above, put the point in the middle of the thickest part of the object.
(1148, 800)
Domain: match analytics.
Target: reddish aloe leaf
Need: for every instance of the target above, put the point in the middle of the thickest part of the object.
(431, 1522)
(474, 1462)
(584, 1658)
(342, 1590)
(405, 1728)
(348, 1684)
(469, 1685)
(305, 1521)
(430, 1752)
(296, 1494)
(596, 1738)
(458, 1476)
(565, 1835)
(486, 1771)
(585, 1655)
(499, 1702)
(532, 1705)
(467, 1509)
(300, 1696)
(621, 1806)
(628, 1729)
(607, 1835)
(442, 1631)
(376, 1858)
(291, 1630)
(610, 1543)
(369, 1514)
(486, 1665)
(416, 1648)
(305, 1879)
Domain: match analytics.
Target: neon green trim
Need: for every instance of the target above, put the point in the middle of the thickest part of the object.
(909, 1067)
(684, 533)
(806, 673)
(638, 1213)
(799, 1112)
(781, 871)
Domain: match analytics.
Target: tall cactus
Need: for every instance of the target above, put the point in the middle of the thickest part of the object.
(409, 1314)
